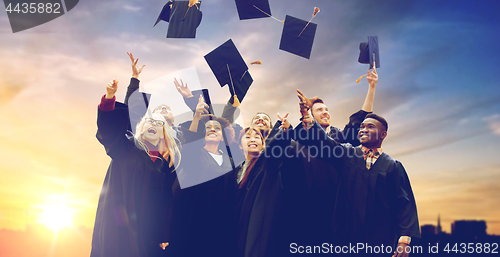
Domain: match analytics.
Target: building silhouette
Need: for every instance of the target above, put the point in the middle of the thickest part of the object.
(438, 228)
(464, 233)
(465, 228)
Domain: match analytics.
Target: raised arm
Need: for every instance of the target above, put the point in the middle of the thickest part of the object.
(112, 122)
(372, 79)
(229, 110)
(201, 109)
(134, 81)
(187, 95)
(350, 132)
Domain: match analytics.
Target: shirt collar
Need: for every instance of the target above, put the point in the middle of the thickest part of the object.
(376, 151)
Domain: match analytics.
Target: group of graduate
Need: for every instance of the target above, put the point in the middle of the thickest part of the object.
(177, 190)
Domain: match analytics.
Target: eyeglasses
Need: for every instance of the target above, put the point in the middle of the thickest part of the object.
(157, 123)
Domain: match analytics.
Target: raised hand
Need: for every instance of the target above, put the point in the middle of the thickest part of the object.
(285, 124)
(111, 89)
(201, 108)
(307, 103)
(136, 70)
(372, 77)
(164, 245)
(183, 90)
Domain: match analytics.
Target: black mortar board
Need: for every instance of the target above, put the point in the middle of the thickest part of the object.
(367, 50)
(252, 9)
(292, 42)
(227, 56)
(241, 85)
(183, 20)
(223, 56)
(165, 13)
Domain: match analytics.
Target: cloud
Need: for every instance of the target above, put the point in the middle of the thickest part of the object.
(131, 8)
(493, 123)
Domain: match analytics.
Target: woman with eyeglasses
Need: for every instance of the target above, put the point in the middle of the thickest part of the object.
(135, 205)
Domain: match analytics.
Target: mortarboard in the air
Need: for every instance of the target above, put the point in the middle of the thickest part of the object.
(252, 9)
(229, 68)
(298, 36)
(183, 19)
(165, 13)
(367, 50)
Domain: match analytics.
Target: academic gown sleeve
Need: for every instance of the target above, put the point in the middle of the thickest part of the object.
(405, 206)
(112, 127)
(138, 103)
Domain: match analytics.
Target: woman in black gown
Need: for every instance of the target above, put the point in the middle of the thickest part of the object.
(135, 205)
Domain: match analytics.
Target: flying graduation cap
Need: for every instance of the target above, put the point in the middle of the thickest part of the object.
(253, 9)
(369, 53)
(183, 18)
(298, 35)
(229, 68)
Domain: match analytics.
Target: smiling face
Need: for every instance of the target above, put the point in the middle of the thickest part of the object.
(371, 133)
(321, 114)
(165, 111)
(252, 143)
(261, 121)
(152, 130)
(213, 132)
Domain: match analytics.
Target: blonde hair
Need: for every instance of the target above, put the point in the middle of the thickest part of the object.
(170, 147)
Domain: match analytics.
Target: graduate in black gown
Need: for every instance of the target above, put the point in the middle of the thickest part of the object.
(375, 204)
(259, 196)
(135, 205)
(205, 193)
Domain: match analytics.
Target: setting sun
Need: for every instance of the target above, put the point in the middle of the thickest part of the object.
(55, 217)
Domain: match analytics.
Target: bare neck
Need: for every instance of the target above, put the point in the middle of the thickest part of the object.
(212, 147)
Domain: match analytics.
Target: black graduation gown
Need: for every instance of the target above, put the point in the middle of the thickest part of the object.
(258, 212)
(184, 20)
(134, 210)
(373, 206)
(310, 188)
(203, 213)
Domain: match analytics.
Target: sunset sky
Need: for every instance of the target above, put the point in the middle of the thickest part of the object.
(438, 88)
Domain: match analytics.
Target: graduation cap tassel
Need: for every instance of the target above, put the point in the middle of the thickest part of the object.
(268, 14)
(256, 62)
(236, 102)
(316, 11)
(359, 79)
(190, 4)
(243, 75)
(186, 12)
